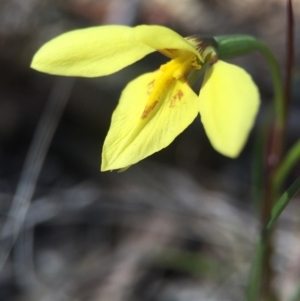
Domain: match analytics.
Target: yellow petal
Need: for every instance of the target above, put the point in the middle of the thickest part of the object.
(90, 52)
(164, 39)
(141, 127)
(228, 104)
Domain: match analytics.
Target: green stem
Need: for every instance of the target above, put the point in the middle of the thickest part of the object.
(291, 158)
(230, 47)
(284, 200)
(260, 252)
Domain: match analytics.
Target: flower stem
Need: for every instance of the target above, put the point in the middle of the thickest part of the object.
(233, 46)
(279, 167)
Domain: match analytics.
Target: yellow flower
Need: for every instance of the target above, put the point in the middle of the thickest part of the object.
(156, 107)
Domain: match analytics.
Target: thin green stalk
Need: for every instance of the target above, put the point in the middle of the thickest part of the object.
(289, 161)
(281, 204)
(229, 47)
(233, 46)
(257, 170)
(254, 281)
(253, 290)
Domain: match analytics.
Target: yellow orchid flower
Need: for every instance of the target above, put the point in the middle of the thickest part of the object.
(156, 107)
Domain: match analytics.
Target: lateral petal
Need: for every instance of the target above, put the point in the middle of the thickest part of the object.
(140, 127)
(91, 52)
(228, 105)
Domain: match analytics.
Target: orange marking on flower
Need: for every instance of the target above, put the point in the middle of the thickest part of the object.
(179, 94)
(148, 109)
(168, 52)
(150, 87)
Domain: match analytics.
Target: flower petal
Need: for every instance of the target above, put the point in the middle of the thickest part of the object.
(228, 104)
(90, 52)
(164, 39)
(141, 127)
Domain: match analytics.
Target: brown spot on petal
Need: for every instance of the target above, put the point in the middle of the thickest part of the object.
(150, 87)
(148, 109)
(168, 52)
(176, 97)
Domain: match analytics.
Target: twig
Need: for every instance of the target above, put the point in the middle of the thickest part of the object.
(289, 54)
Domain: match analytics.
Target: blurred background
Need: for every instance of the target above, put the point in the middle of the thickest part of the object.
(178, 226)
